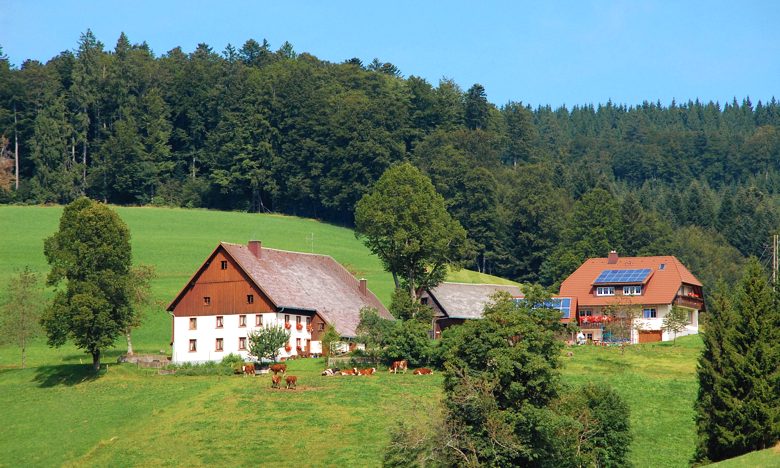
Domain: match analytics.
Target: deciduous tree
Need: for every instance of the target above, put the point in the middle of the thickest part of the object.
(264, 343)
(21, 310)
(90, 260)
(403, 221)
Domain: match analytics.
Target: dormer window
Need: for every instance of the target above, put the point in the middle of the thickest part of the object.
(635, 290)
(605, 291)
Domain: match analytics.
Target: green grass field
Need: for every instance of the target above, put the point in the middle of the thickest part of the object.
(56, 413)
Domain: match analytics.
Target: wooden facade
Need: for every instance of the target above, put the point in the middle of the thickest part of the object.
(215, 290)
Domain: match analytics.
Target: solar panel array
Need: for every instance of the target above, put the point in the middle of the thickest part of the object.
(563, 304)
(622, 276)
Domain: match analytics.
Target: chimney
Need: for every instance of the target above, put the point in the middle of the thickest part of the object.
(254, 247)
(362, 287)
(613, 257)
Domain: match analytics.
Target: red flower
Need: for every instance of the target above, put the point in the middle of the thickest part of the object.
(288, 348)
(287, 325)
(299, 326)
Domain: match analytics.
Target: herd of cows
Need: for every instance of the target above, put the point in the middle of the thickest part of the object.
(291, 381)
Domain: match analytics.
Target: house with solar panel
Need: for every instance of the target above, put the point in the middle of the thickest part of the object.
(651, 285)
(454, 303)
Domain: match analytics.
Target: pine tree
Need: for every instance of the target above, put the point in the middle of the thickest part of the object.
(737, 410)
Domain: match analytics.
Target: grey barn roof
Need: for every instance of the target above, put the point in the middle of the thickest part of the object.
(308, 281)
(467, 301)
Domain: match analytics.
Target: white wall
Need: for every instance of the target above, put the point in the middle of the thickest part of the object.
(207, 333)
(657, 324)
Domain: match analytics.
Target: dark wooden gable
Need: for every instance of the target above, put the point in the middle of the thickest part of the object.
(226, 289)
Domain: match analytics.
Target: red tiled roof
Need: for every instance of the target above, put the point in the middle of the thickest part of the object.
(467, 301)
(660, 288)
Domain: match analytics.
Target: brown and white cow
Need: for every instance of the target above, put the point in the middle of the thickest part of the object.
(276, 380)
(367, 371)
(422, 371)
(276, 368)
(249, 369)
(292, 382)
(398, 365)
(352, 371)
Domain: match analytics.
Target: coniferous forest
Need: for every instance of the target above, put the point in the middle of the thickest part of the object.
(260, 129)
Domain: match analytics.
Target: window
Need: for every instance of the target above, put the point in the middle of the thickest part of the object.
(258, 320)
(632, 290)
(223, 264)
(690, 316)
(218, 346)
(322, 326)
(589, 336)
(586, 313)
(250, 298)
(193, 323)
(193, 345)
(298, 319)
(424, 300)
(308, 321)
(298, 343)
(242, 320)
(648, 313)
(662, 266)
(206, 300)
(220, 321)
(286, 319)
(605, 291)
(242, 342)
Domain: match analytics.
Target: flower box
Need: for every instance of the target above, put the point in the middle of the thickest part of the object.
(299, 326)
(288, 348)
(287, 325)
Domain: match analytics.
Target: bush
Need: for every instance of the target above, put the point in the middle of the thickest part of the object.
(408, 339)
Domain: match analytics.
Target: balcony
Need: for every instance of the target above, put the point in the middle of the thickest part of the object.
(693, 301)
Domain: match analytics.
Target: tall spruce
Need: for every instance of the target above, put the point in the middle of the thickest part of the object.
(737, 410)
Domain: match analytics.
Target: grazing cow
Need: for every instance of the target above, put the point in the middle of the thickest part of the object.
(422, 371)
(330, 372)
(398, 365)
(292, 381)
(249, 369)
(352, 371)
(275, 381)
(367, 371)
(276, 368)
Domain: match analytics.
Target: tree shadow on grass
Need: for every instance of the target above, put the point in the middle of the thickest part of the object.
(66, 374)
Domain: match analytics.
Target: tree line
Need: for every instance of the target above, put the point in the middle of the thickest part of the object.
(257, 129)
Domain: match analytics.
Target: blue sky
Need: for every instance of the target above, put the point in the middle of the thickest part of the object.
(555, 53)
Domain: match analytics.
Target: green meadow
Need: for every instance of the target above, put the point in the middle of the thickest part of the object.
(56, 412)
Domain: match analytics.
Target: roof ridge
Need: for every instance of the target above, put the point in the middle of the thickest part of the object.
(480, 284)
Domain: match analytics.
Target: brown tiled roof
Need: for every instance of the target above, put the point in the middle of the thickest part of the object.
(298, 280)
(467, 301)
(660, 288)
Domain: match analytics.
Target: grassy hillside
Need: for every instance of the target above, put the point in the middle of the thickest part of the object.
(176, 242)
(769, 458)
(55, 413)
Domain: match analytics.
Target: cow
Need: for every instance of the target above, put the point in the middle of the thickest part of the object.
(275, 381)
(292, 381)
(367, 371)
(276, 368)
(352, 371)
(398, 365)
(330, 372)
(249, 369)
(422, 371)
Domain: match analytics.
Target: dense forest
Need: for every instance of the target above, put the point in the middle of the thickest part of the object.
(256, 129)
